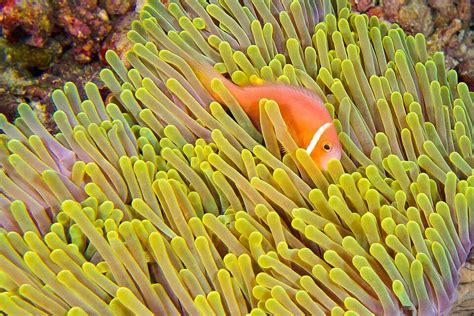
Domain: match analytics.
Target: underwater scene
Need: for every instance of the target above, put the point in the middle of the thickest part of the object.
(236, 157)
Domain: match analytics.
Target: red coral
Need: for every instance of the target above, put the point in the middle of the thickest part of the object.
(117, 39)
(33, 22)
(26, 19)
(362, 5)
(117, 7)
(375, 11)
(86, 22)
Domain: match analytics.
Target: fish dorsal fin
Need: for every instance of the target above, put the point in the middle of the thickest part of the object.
(299, 89)
(307, 92)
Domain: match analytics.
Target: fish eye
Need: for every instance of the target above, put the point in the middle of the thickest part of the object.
(327, 147)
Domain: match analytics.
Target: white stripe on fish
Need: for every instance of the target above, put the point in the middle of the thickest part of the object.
(316, 137)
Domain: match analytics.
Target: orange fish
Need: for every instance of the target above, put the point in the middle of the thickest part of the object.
(304, 113)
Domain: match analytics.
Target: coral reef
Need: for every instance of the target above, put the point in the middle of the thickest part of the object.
(33, 23)
(47, 43)
(158, 199)
(117, 39)
(18, 85)
(29, 20)
(117, 7)
(26, 57)
(86, 23)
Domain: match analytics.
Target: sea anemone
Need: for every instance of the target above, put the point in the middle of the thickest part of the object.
(161, 200)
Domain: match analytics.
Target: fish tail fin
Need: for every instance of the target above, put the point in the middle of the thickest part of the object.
(199, 63)
(206, 73)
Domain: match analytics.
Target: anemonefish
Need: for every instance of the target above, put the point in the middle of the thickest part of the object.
(304, 113)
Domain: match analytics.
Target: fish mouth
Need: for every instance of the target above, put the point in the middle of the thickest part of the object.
(324, 164)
